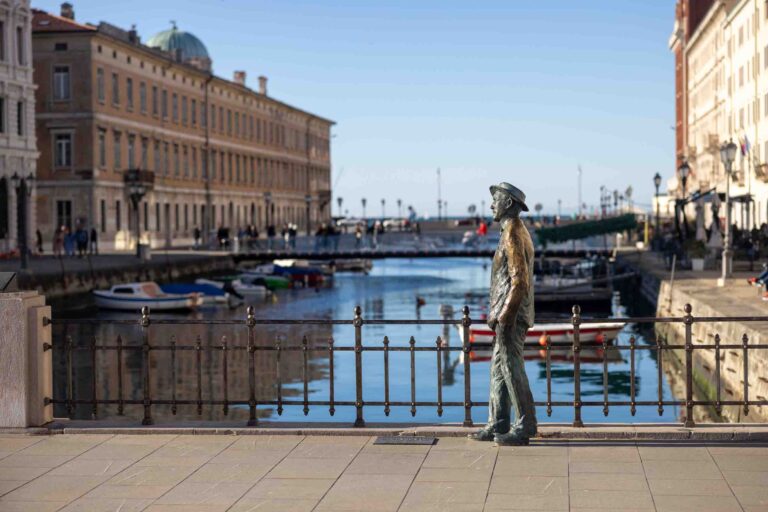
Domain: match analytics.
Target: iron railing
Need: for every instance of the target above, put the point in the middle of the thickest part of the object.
(250, 324)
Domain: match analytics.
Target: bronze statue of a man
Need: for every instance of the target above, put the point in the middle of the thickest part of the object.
(510, 315)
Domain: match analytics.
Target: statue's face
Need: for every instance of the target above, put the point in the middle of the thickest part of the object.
(501, 205)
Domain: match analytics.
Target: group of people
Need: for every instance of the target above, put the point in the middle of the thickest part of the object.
(66, 242)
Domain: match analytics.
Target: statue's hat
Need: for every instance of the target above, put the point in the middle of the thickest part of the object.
(513, 191)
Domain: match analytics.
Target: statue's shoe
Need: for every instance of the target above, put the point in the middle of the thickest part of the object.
(484, 434)
(515, 438)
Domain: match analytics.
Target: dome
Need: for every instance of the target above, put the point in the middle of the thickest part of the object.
(190, 49)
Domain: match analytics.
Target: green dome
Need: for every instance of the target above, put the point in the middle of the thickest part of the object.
(174, 39)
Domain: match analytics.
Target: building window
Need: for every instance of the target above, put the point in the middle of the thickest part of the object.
(164, 104)
(237, 124)
(144, 153)
(186, 160)
(64, 214)
(175, 108)
(154, 100)
(2, 115)
(221, 119)
(157, 217)
(229, 122)
(213, 117)
(213, 165)
(20, 47)
(193, 112)
(100, 84)
(176, 216)
(194, 162)
(60, 47)
(63, 150)
(103, 216)
(116, 160)
(20, 118)
(115, 89)
(102, 147)
(129, 93)
(2, 40)
(143, 97)
(176, 163)
(203, 115)
(186, 217)
(118, 216)
(61, 83)
(146, 216)
(184, 110)
(156, 155)
(166, 157)
(131, 151)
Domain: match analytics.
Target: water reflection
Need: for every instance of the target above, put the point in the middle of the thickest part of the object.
(396, 289)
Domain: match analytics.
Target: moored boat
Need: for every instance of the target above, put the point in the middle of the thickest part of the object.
(557, 333)
(210, 294)
(134, 296)
(244, 286)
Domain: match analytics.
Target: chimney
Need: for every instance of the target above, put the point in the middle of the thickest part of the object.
(67, 11)
(239, 78)
(263, 85)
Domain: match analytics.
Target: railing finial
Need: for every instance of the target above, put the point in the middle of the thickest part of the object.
(145, 316)
(250, 318)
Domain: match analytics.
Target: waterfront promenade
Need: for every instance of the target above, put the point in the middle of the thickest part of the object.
(167, 472)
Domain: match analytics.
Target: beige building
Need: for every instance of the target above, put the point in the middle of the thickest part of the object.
(18, 151)
(727, 89)
(210, 152)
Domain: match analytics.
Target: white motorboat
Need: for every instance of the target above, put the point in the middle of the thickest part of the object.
(134, 296)
(244, 286)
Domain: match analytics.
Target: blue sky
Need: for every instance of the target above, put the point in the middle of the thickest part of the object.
(487, 91)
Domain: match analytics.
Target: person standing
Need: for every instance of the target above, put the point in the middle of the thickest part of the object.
(39, 241)
(196, 236)
(58, 242)
(270, 236)
(510, 315)
(94, 241)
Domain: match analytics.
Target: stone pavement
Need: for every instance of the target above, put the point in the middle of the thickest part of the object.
(167, 472)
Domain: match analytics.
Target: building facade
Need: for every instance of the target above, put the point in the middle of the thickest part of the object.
(18, 150)
(209, 152)
(726, 93)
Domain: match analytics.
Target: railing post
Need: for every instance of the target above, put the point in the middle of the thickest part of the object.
(745, 345)
(576, 320)
(250, 321)
(688, 321)
(465, 323)
(358, 323)
(147, 420)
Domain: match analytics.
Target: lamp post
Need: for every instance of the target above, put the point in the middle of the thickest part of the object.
(657, 184)
(383, 210)
(23, 187)
(400, 208)
(727, 156)
(339, 201)
(308, 200)
(136, 191)
(363, 201)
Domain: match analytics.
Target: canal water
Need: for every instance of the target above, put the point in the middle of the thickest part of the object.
(394, 289)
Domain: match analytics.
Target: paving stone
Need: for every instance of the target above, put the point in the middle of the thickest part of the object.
(751, 495)
(735, 477)
(372, 492)
(54, 488)
(396, 449)
(151, 475)
(611, 500)
(288, 489)
(607, 482)
(550, 502)
(129, 491)
(309, 468)
(683, 487)
(676, 453)
(119, 451)
(31, 506)
(270, 505)
(65, 445)
(265, 443)
(685, 470)
(7, 486)
(741, 462)
(460, 459)
(12, 444)
(610, 453)
(385, 464)
(477, 475)
(322, 447)
(242, 456)
(531, 466)
(696, 504)
(19, 460)
(422, 494)
(91, 467)
(633, 468)
(462, 443)
(107, 505)
(204, 493)
(21, 473)
(529, 485)
(186, 508)
(442, 507)
(534, 450)
(230, 473)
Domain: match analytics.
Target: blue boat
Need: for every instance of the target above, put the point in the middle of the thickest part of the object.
(210, 293)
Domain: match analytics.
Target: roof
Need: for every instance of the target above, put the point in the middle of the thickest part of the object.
(46, 22)
(174, 39)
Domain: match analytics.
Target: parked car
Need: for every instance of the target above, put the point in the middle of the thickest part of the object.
(349, 222)
(396, 224)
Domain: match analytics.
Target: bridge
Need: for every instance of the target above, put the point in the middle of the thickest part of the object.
(377, 254)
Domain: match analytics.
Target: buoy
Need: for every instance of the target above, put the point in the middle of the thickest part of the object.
(600, 338)
(543, 340)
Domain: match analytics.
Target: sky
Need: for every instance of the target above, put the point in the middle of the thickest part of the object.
(486, 91)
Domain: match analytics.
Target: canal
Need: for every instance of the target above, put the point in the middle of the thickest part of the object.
(394, 289)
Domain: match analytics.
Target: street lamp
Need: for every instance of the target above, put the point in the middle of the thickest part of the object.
(383, 211)
(727, 156)
(400, 208)
(363, 201)
(684, 170)
(657, 184)
(339, 201)
(136, 191)
(23, 187)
